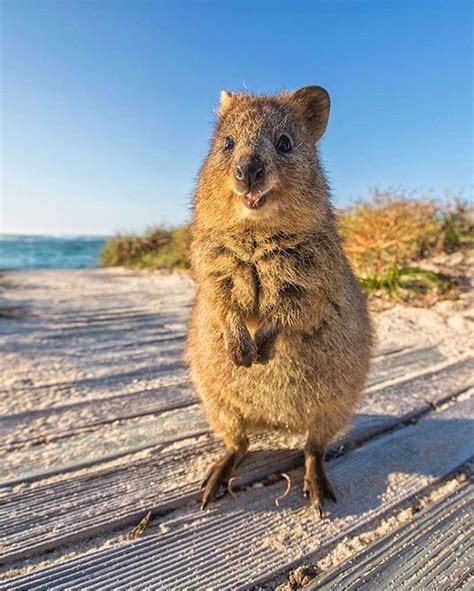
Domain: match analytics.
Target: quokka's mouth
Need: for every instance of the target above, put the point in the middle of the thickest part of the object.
(255, 199)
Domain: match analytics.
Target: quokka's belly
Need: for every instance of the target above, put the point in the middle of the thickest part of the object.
(286, 393)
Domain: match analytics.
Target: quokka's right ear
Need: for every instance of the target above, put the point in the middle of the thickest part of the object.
(313, 104)
(227, 98)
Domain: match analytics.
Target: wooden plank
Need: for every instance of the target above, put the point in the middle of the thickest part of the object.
(80, 321)
(118, 496)
(103, 333)
(87, 313)
(402, 363)
(434, 551)
(54, 338)
(99, 348)
(166, 358)
(248, 540)
(44, 329)
(100, 444)
(116, 439)
(85, 346)
(123, 377)
(83, 314)
(167, 368)
(18, 430)
(31, 463)
(34, 425)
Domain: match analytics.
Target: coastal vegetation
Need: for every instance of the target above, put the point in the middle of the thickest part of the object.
(158, 248)
(391, 240)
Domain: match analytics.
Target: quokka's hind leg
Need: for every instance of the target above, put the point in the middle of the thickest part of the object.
(222, 471)
(317, 485)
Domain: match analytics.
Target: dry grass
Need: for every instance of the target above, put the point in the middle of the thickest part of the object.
(389, 231)
(385, 238)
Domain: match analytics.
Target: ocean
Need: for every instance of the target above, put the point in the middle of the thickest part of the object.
(49, 252)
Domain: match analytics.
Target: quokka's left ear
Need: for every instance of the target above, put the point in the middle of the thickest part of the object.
(226, 100)
(312, 103)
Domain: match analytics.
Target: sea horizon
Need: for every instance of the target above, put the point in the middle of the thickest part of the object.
(22, 252)
(5, 235)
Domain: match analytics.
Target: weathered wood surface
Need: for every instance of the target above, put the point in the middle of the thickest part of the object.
(99, 426)
(121, 495)
(434, 551)
(249, 540)
(104, 437)
(33, 425)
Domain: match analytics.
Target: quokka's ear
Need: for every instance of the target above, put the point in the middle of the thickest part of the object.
(227, 98)
(313, 104)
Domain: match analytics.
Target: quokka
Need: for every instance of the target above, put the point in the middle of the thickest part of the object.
(280, 336)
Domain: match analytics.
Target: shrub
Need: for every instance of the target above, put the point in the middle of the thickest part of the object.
(457, 220)
(385, 236)
(389, 231)
(158, 248)
(408, 284)
(171, 254)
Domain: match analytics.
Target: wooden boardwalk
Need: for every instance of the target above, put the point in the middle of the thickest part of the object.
(434, 550)
(100, 431)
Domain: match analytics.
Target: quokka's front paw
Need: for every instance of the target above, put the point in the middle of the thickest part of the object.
(265, 340)
(241, 347)
(242, 351)
(265, 353)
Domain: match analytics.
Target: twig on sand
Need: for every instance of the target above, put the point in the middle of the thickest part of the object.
(140, 527)
(229, 487)
(287, 491)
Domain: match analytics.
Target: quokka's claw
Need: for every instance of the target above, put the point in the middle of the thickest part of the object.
(218, 477)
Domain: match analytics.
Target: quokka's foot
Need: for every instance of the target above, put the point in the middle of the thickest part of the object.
(317, 485)
(312, 492)
(217, 477)
(316, 492)
(328, 490)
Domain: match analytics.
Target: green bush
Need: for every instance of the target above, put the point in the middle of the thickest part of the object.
(407, 284)
(457, 225)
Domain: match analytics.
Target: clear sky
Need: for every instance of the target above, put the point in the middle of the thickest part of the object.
(107, 106)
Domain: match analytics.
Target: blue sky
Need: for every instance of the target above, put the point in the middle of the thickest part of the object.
(107, 106)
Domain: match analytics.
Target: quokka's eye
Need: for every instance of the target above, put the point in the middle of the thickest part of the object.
(283, 144)
(229, 143)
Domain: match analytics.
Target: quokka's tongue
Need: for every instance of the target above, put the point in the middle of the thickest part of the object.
(253, 199)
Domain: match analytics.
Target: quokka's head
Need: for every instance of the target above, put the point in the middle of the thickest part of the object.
(262, 165)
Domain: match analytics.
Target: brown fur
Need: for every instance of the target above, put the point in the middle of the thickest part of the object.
(279, 336)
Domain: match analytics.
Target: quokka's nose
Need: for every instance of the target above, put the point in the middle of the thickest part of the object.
(250, 171)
